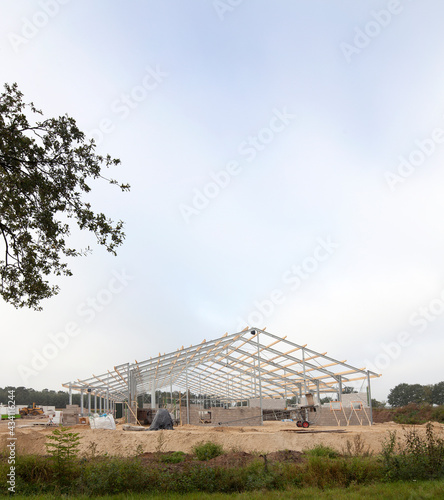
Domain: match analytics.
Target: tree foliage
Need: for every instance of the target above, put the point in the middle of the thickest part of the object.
(46, 397)
(377, 404)
(46, 169)
(438, 393)
(348, 390)
(403, 394)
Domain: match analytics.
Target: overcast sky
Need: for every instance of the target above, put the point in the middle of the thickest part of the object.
(285, 159)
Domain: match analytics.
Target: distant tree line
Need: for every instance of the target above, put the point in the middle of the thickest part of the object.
(59, 399)
(27, 396)
(403, 394)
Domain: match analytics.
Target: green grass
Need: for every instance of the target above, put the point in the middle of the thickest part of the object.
(385, 491)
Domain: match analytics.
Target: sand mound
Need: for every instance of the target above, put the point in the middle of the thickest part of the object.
(271, 437)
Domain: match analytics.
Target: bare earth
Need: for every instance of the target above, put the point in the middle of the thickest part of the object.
(271, 437)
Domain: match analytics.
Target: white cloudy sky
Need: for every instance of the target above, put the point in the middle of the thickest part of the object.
(357, 86)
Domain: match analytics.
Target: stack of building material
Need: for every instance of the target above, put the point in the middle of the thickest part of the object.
(71, 415)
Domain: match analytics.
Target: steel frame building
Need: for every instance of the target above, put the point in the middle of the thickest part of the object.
(231, 369)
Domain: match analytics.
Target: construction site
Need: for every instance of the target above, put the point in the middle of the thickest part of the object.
(251, 391)
(241, 379)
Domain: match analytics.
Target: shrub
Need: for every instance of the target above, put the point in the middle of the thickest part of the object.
(324, 472)
(207, 451)
(112, 476)
(438, 414)
(415, 457)
(63, 446)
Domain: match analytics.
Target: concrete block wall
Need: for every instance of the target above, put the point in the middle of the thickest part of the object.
(268, 404)
(347, 399)
(70, 415)
(194, 414)
(346, 416)
(237, 416)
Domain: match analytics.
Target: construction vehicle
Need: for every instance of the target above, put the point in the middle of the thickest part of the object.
(33, 410)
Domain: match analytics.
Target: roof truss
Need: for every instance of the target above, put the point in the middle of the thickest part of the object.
(228, 368)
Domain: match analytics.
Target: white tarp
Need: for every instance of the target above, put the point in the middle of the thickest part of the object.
(102, 422)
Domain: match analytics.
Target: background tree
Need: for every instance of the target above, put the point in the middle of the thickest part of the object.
(45, 170)
(46, 397)
(403, 394)
(378, 404)
(438, 393)
(428, 393)
(348, 390)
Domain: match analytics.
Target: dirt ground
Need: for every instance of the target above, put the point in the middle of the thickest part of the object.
(271, 437)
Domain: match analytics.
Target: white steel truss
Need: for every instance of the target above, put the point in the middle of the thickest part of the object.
(248, 364)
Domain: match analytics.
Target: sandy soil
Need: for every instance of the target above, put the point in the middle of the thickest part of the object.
(271, 437)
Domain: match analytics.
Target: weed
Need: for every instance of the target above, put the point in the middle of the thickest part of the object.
(265, 457)
(321, 450)
(92, 449)
(161, 441)
(174, 457)
(356, 448)
(207, 451)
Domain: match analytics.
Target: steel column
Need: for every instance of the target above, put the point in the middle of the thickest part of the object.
(260, 379)
(81, 402)
(369, 391)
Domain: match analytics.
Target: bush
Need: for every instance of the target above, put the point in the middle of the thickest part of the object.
(415, 457)
(324, 472)
(207, 451)
(438, 414)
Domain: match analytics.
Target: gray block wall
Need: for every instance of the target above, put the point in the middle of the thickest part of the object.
(238, 416)
(342, 417)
